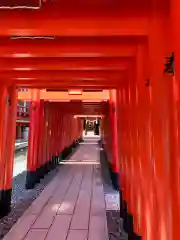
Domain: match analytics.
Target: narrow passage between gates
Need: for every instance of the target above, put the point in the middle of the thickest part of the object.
(72, 206)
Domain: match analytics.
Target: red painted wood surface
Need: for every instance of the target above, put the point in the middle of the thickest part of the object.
(105, 45)
(8, 128)
(10, 138)
(34, 131)
(3, 131)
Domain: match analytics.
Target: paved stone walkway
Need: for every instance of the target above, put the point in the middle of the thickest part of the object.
(72, 206)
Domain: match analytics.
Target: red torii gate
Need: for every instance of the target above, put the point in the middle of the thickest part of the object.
(147, 101)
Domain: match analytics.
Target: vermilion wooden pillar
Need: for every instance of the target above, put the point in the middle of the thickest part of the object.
(160, 135)
(114, 138)
(60, 132)
(119, 141)
(3, 128)
(48, 132)
(119, 128)
(133, 160)
(51, 134)
(145, 209)
(41, 141)
(8, 109)
(57, 142)
(10, 138)
(47, 136)
(55, 132)
(122, 143)
(175, 120)
(56, 136)
(130, 151)
(32, 160)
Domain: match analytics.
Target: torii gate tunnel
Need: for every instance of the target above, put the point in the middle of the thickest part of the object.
(119, 46)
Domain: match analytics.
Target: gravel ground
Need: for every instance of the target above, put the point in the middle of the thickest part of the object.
(22, 199)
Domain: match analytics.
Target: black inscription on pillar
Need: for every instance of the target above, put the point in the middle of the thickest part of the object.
(169, 64)
(8, 100)
(147, 83)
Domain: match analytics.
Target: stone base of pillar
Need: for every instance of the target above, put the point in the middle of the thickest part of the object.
(74, 144)
(80, 139)
(114, 177)
(5, 202)
(31, 179)
(65, 153)
(128, 220)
